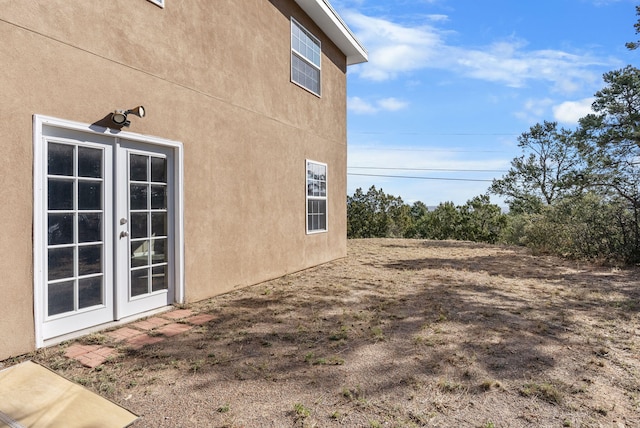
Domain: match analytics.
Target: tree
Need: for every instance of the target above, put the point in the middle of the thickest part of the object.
(417, 212)
(609, 141)
(360, 214)
(584, 227)
(481, 221)
(398, 216)
(376, 215)
(635, 45)
(441, 223)
(548, 169)
(610, 138)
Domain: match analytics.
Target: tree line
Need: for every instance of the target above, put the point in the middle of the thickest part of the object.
(572, 192)
(375, 214)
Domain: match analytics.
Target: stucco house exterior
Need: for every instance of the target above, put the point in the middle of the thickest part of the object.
(164, 151)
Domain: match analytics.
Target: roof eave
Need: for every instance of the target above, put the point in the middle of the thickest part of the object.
(325, 16)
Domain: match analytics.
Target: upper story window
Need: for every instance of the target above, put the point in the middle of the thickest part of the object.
(305, 58)
(158, 2)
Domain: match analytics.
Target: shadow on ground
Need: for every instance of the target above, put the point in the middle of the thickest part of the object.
(410, 332)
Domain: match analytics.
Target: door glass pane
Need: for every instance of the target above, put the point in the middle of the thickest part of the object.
(60, 298)
(159, 278)
(158, 224)
(158, 197)
(60, 229)
(159, 250)
(89, 259)
(89, 227)
(139, 225)
(139, 282)
(147, 194)
(159, 170)
(89, 195)
(138, 197)
(89, 162)
(89, 292)
(60, 194)
(139, 253)
(138, 168)
(60, 159)
(61, 263)
(76, 188)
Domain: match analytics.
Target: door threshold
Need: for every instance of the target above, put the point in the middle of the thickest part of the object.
(76, 334)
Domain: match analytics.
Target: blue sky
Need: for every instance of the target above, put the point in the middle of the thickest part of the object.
(451, 84)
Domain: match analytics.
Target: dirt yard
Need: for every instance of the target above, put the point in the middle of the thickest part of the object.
(401, 333)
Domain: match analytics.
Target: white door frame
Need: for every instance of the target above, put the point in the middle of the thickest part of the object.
(40, 205)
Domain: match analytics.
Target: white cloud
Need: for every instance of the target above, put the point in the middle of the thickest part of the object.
(438, 18)
(510, 63)
(604, 2)
(396, 49)
(392, 104)
(360, 106)
(534, 110)
(570, 111)
(393, 48)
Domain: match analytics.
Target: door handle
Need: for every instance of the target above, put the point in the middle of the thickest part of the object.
(124, 234)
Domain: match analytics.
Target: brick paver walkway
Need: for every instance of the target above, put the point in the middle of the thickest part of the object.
(137, 335)
(150, 323)
(90, 355)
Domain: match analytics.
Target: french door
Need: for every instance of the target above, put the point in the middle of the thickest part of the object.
(108, 245)
(143, 249)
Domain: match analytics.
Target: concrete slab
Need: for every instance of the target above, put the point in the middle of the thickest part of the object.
(34, 396)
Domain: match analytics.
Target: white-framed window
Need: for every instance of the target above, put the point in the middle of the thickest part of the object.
(316, 197)
(158, 2)
(305, 58)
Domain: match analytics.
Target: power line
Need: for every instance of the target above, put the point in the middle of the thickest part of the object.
(426, 150)
(418, 178)
(427, 169)
(465, 134)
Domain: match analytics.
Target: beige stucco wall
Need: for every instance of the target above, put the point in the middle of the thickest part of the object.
(211, 74)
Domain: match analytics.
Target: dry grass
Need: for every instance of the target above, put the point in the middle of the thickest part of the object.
(401, 333)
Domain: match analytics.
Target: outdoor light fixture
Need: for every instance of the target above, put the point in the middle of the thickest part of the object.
(119, 117)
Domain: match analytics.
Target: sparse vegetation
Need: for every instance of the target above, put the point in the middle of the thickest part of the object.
(301, 410)
(446, 385)
(377, 333)
(461, 323)
(94, 339)
(545, 391)
(341, 334)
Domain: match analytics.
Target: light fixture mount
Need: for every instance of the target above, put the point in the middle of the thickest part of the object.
(119, 117)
